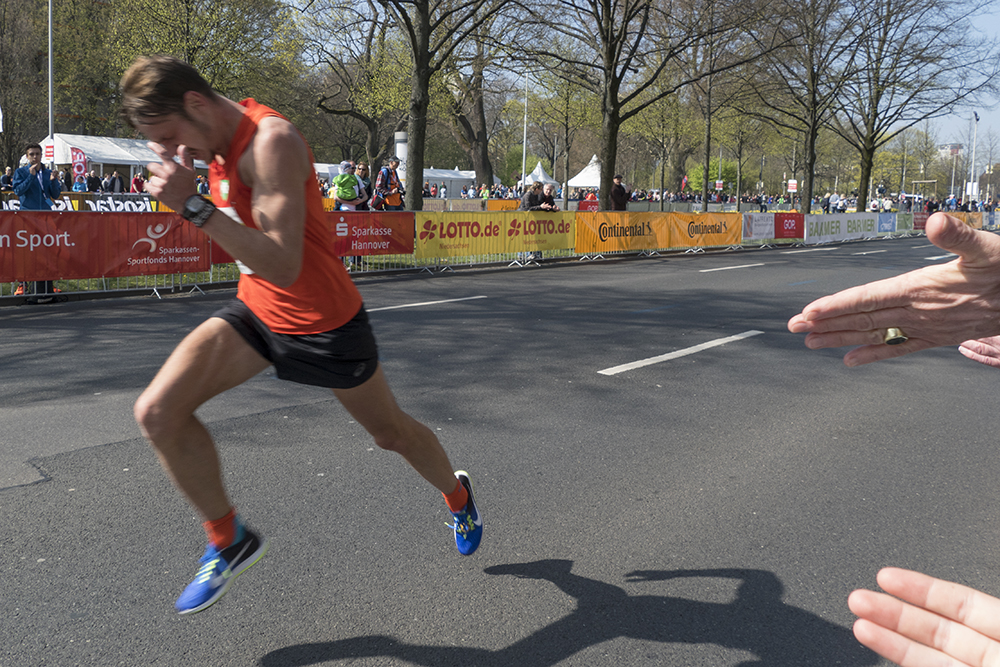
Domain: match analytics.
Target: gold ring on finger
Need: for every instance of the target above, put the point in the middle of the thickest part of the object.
(895, 336)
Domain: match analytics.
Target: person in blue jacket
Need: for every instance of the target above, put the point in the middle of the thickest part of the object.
(36, 188)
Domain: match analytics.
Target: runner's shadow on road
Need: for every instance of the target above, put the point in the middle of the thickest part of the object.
(757, 621)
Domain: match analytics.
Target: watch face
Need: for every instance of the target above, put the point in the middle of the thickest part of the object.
(196, 204)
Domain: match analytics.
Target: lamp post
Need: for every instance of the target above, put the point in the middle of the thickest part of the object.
(52, 131)
(973, 182)
(524, 143)
(954, 160)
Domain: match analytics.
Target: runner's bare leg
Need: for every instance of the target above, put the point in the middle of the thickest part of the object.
(375, 408)
(210, 360)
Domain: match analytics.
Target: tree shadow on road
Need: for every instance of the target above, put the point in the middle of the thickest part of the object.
(757, 621)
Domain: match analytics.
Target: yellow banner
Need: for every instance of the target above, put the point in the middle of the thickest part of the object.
(462, 234)
(539, 230)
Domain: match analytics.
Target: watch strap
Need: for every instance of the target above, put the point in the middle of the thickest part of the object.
(200, 217)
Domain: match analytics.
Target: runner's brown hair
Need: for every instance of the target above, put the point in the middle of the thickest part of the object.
(154, 87)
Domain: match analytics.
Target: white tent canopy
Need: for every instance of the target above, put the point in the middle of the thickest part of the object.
(539, 176)
(453, 179)
(589, 176)
(134, 153)
(104, 150)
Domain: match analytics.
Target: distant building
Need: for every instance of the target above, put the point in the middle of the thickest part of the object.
(948, 151)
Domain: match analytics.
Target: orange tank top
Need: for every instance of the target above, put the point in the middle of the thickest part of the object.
(323, 297)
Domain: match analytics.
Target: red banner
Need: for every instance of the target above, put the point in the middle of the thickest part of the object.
(79, 163)
(41, 245)
(920, 220)
(789, 225)
(372, 232)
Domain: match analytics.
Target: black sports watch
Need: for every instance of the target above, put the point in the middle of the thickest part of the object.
(197, 210)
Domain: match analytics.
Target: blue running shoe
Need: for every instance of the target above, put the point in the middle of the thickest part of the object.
(218, 570)
(469, 522)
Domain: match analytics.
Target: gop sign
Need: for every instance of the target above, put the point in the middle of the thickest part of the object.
(789, 226)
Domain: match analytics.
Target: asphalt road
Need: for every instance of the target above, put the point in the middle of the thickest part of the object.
(710, 509)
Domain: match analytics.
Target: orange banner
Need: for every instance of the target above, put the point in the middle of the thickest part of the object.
(41, 245)
(705, 230)
(503, 204)
(604, 231)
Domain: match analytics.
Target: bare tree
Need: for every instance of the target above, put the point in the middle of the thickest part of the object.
(566, 109)
(22, 78)
(620, 49)
(801, 85)
(433, 30)
(918, 60)
(475, 66)
(669, 125)
(717, 89)
(743, 135)
(365, 65)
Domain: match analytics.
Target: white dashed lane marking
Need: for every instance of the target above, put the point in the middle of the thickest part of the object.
(678, 353)
(424, 303)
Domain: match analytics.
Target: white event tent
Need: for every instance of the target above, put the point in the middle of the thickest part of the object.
(114, 151)
(453, 179)
(589, 176)
(133, 153)
(540, 176)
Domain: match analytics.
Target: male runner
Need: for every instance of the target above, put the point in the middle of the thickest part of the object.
(295, 308)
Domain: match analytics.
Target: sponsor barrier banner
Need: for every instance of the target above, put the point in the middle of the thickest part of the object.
(605, 231)
(588, 205)
(886, 223)
(41, 245)
(990, 220)
(974, 220)
(840, 227)
(704, 230)
(539, 230)
(372, 233)
(920, 220)
(89, 201)
(502, 204)
(758, 226)
(904, 222)
(463, 234)
(789, 225)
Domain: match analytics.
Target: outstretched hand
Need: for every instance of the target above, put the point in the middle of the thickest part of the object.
(931, 621)
(944, 304)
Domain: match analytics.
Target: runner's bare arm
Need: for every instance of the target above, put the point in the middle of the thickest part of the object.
(275, 166)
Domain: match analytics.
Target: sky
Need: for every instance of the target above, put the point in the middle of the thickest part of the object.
(956, 128)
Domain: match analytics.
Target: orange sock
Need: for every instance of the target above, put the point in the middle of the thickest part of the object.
(457, 499)
(222, 532)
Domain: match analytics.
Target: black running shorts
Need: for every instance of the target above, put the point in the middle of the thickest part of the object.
(340, 359)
